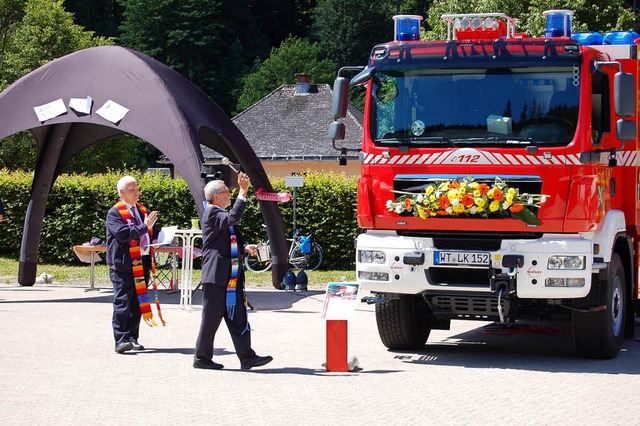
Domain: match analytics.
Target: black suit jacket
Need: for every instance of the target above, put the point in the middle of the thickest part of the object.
(216, 243)
(119, 234)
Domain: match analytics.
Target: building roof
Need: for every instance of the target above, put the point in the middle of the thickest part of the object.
(290, 125)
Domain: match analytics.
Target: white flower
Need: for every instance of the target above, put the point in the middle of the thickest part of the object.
(543, 198)
(505, 206)
(419, 199)
(530, 200)
(389, 204)
(455, 202)
(399, 208)
(473, 210)
(449, 209)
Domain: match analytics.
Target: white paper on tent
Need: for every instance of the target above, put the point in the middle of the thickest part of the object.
(112, 111)
(83, 106)
(51, 110)
(165, 236)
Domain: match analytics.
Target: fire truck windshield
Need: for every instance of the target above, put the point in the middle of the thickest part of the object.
(475, 107)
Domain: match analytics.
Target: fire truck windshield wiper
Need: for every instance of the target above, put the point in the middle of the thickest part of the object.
(424, 140)
(506, 140)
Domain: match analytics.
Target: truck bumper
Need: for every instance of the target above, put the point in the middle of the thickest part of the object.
(553, 266)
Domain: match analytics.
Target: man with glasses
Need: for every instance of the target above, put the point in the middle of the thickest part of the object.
(130, 230)
(223, 277)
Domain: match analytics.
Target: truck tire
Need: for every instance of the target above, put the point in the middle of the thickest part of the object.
(599, 334)
(403, 323)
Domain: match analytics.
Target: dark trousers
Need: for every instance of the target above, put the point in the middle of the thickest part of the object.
(214, 309)
(126, 309)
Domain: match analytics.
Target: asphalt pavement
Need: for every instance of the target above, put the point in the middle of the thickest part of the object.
(59, 367)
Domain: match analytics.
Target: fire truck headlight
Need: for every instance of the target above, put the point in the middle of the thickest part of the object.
(373, 276)
(371, 256)
(564, 282)
(566, 262)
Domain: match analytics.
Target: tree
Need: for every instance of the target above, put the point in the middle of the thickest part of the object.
(45, 32)
(102, 16)
(35, 32)
(347, 30)
(293, 56)
(210, 42)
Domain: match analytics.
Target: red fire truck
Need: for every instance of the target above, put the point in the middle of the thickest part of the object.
(500, 179)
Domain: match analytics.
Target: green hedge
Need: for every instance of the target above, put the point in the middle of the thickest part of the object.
(78, 204)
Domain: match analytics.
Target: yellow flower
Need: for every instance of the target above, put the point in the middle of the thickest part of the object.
(494, 206)
(480, 202)
(458, 208)
(421, 212)
(429, 190)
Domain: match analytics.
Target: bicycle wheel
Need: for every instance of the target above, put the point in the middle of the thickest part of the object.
(314, 259)
(253, 263)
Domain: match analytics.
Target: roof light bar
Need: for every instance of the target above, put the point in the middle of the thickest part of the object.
(464, 26)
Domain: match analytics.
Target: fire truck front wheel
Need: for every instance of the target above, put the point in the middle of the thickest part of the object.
(403, 323)
(599, 334)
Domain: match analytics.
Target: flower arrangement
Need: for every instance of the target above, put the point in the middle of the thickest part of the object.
(468, 198)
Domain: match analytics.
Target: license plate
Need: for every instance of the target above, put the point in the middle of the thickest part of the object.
(461, 258)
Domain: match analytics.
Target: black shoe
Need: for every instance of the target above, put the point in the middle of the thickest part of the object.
(207, 364)
(123, 347)
(137, 346)
(256, 361)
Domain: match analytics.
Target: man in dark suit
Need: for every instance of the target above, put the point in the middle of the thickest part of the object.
(130, 229)
(223, 277)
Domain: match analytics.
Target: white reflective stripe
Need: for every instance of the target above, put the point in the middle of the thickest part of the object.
(403, 159)
(423, 159)
(413, 159)
(523, 159)
(368, 158)
(436, 156)
(501, 159)
(573, 159)
(556, 160)
(534, 160)
(511, 159)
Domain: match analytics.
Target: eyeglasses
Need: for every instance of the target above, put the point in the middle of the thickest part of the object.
(223, 192)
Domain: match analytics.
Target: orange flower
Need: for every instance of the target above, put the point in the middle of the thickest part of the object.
(442, 213)
(444, 202)
(467, 200)
(407, 204)
(498, 195)
(516, 208)
(483, 188)
(454, 184)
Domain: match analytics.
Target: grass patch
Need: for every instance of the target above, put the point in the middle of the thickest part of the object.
(80, 275)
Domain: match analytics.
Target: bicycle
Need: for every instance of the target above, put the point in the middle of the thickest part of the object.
(310, 261)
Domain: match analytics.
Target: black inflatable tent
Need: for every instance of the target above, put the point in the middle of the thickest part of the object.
(164, 108)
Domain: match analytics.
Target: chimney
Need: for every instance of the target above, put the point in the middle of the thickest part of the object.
(303, 82)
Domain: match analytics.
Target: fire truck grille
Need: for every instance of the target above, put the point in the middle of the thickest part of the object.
(466, 306)
(466, 244)
(465, 277)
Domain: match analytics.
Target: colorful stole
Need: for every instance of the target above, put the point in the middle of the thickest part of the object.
(137, 267)
(233, 280)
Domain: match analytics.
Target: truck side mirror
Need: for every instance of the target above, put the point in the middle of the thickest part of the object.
(625, 129)
(336, 131)
(340, 100)
(624, 94)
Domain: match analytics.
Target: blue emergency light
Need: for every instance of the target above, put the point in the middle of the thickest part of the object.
(558, 23)
(588, 38)
(407, 27)
(620, 37)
